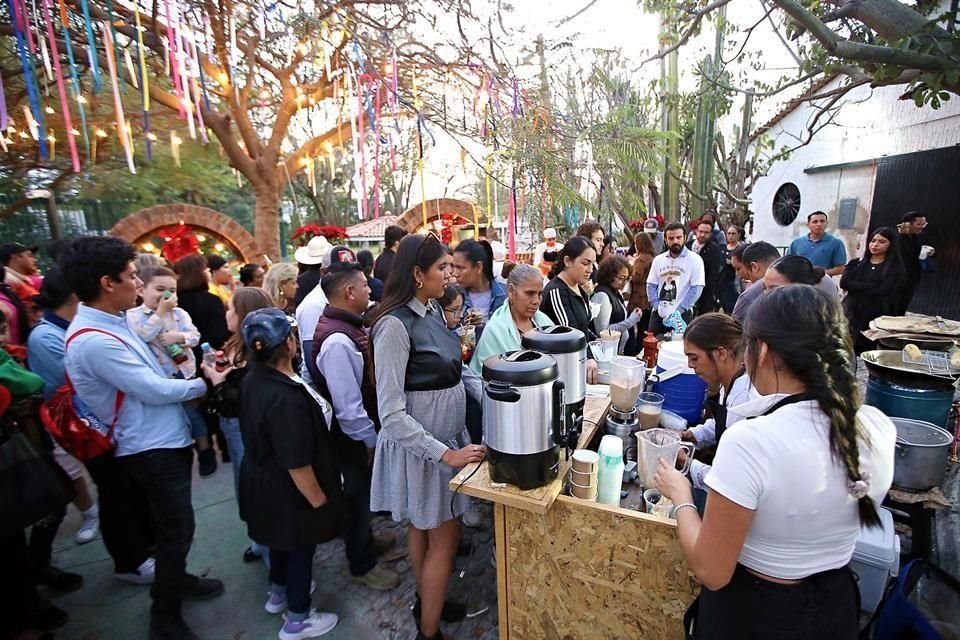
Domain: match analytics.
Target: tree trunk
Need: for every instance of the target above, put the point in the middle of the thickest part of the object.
(266, 221)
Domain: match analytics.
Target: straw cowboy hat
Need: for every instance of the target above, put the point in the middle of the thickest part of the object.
(315, 252)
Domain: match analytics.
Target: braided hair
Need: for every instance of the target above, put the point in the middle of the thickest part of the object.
(806, 330)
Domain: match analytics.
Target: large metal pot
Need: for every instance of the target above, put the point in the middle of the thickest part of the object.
(921, 459)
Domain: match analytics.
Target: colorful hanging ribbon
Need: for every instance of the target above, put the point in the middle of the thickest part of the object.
(92, 44)
(61, 89)
(74, 76)
(144, 88)
(122, 130)
(376, 157)
(33, 92)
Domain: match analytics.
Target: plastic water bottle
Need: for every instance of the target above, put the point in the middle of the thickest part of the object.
(610, 474)
(209, 355)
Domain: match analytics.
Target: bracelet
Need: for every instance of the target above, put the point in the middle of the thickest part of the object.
(677, 508)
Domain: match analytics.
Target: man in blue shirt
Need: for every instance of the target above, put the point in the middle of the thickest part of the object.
(152, 432)
(819, 247)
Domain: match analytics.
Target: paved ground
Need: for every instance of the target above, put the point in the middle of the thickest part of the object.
(105, 609)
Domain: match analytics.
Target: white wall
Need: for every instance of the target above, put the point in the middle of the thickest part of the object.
(871, 123)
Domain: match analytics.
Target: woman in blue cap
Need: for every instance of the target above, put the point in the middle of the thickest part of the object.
(289, 480)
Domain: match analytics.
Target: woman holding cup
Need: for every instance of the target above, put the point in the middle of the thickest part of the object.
(612, 276)
(789, 489)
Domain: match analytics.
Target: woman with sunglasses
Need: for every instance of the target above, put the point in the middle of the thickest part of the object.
(421, 392)
(612, 276)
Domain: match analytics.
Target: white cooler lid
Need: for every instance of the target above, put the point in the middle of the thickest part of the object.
(878, 546)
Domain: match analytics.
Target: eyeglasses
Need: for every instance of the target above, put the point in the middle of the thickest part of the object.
(454, 311)
(621, 278)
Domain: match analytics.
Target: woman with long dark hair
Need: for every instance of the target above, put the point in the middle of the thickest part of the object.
(872, 283)
(794, 269)
(729, 286)
(564, 299)
(423, 439)
(790, 489)
(642, 261)
(713, 344)
(473, 267)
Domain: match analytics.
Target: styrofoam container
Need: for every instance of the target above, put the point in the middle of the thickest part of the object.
(876, 558)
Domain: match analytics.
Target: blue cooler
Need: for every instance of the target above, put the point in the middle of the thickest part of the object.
(684, 391)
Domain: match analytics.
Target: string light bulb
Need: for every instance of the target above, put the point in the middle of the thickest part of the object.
(49, 110)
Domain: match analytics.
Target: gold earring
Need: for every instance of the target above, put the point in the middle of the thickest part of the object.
(419, 284)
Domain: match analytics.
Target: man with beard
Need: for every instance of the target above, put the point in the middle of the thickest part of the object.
(713, 261)
(676, 280)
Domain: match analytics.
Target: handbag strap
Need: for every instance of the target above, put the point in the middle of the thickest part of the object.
(120, 394)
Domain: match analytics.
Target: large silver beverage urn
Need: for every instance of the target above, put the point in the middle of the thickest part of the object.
(569, 347)
(522, 417)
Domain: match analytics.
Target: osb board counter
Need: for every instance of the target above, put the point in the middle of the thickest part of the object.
(587, 571)
(479, 485)
(574, 570)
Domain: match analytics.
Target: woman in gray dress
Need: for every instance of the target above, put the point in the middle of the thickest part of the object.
(423, 439)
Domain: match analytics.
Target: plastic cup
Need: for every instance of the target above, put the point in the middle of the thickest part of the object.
(656, 504)
(649, 408)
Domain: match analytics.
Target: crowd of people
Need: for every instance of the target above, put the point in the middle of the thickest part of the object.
(342, 386)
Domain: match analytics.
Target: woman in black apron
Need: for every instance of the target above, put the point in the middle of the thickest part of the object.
(713, 344)
(790, 488)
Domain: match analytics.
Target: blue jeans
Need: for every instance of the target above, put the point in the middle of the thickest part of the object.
(293, 571)
(230, 427)
(198, 426)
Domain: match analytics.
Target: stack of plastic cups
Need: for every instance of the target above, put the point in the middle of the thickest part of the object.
(611, 470)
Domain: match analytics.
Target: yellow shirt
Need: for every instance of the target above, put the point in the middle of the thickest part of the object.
(221, 292)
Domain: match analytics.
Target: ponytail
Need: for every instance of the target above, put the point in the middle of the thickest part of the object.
(574, 247)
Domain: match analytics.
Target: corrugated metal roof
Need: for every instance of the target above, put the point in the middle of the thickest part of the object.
(371, 228)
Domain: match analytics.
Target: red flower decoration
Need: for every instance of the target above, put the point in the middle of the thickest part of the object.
(180, 241)
(302, 235)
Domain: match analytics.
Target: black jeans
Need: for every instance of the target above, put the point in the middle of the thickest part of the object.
(357, 536)
(42, 536)
(293, 570)
(164, 476)
(19, 599)
(124, 513)
(824, 606)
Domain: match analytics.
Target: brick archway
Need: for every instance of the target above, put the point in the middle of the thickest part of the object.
(140, 224)
(412, 218)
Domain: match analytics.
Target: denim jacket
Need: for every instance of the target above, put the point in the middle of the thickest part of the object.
(498, 295)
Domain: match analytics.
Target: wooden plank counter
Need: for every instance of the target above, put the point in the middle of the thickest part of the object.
(570, 569)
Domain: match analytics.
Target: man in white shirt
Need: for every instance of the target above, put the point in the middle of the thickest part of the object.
(545, 253)
(675, 281)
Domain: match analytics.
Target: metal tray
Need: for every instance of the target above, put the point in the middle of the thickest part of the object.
(889, 365)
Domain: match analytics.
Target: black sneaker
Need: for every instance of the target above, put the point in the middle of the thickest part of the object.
(60, 580)
(207, 462)
(451, 612)
(201, 588)
(49, 617)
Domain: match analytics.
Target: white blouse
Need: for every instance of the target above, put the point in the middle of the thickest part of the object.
(781, 467)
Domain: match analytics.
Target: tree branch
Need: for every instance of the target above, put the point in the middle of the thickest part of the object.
(697, 18)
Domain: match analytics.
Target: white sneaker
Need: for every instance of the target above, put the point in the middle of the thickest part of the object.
(143, 575)
(88, 530)
(277, 604)
(318, 623)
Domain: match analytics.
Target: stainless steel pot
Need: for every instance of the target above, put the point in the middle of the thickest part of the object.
(922, 451)
(523, 417)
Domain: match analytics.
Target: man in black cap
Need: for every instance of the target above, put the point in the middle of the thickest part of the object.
(339, 363)
(20, 263)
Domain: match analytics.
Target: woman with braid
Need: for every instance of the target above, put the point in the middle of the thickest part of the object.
(789, 488)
